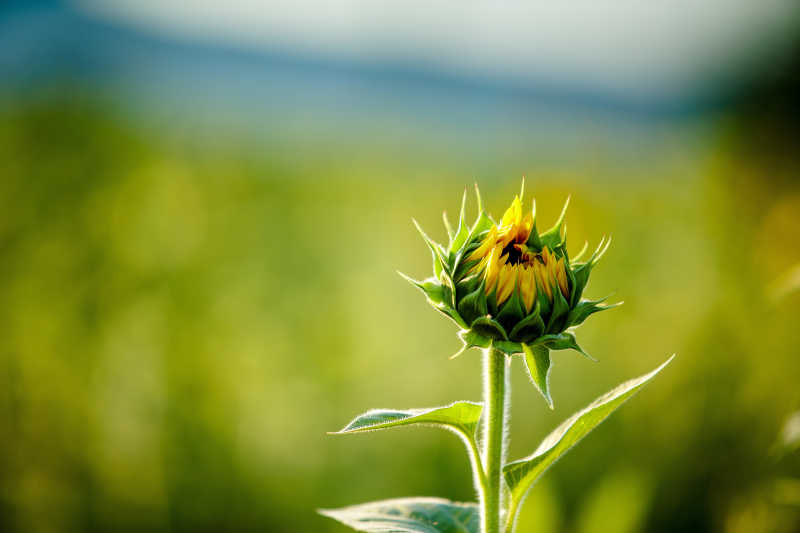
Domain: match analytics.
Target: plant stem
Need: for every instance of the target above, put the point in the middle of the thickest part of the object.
(513, 508)
(495, 388)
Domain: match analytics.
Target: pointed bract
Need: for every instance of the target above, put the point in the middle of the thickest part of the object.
(537, 362)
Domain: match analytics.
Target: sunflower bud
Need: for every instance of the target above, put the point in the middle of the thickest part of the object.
(507, 285)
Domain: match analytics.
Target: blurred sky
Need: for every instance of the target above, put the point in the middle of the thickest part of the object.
(627, 49)
(544, 80)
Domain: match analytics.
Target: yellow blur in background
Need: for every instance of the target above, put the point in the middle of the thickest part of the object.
(198, 249)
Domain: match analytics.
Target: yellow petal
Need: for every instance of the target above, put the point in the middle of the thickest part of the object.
(524, 229)
(542, 280)
(486, 246)
(552, 267)
(492, 268)
(562, 278)
(513, 214)
(506, 281)
(527, 286)
(546, 255)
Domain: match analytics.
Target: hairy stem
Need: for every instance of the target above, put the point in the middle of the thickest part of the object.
(477, 466)
(495, 389)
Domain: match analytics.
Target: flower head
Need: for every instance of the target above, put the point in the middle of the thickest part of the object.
(509, 286)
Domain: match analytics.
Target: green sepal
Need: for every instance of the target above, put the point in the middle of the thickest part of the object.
(463, 228)
(489, 328)
(585, 308)
(467, 285)
(560, 249)
(439, 295)
(482, 223)
(447, 282)
(462, 266)
(508, 347)
(534, 241)
(537, 362)
(512, 310)
(559, 312)
(439, 261)
(473, 241)
(543, 302)
(449, 228)
(452, 314)
(472, 339)
(467, 235)
(571, 282)
(562, 341)
(436, 292)
(581, 276)
(553, 238)
(577, 257)
(491, 301)
(581, 271)
(529, 328)
(473, 305)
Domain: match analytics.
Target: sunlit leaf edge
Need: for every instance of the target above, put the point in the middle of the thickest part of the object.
(433, 416)
(521, 474)
(409, 515)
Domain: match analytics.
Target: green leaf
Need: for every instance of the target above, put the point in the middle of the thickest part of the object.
(522, 474)
(458, 416)
(537, 361)
(409, 515)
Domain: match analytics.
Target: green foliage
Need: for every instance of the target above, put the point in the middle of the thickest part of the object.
(522, 474)
(461, 417)
(409, 515)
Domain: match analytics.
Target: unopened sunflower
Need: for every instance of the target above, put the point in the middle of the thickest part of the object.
(509, 286)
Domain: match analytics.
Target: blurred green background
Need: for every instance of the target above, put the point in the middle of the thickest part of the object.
(195, 285)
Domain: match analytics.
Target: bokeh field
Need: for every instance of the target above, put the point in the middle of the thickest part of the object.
(186, 309)
(180, 327)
